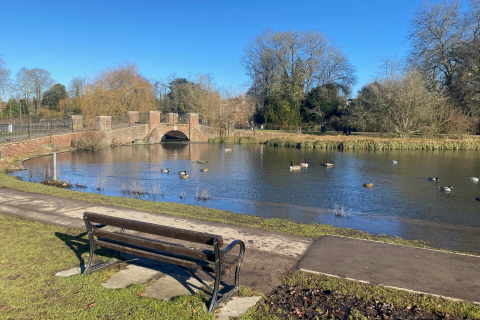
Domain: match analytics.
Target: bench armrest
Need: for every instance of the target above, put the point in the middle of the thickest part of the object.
(232, 245)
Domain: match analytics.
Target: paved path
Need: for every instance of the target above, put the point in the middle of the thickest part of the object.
(435, 272)
(270, 255)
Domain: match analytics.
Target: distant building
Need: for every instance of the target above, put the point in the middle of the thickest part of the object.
(241, 107)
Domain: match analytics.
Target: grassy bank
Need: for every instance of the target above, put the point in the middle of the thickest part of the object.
(360, 142)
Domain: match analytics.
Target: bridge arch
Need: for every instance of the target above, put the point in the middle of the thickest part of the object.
(175, 135)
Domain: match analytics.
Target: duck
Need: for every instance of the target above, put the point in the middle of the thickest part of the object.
(182, 173)
(474, 179)
(227, 149)
(204, 170)
(304, 164)
(166, 170)
(202, 161)
(368, 185)
(394, 161)
(184, 176)
(446, 189)
(433, 178)
(329, 164)
(294, 167)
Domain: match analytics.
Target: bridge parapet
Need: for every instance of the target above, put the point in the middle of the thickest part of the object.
(153, 119)
(172, 117)
(132, 117)
(104, 123)
(192, 119)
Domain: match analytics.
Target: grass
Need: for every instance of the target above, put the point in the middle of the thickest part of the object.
(369, 292)
(356, 141)
(29, 289)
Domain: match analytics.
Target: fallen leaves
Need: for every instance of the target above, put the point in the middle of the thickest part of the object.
(90, 305)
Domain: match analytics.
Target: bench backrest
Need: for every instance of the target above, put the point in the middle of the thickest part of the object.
(169, 232)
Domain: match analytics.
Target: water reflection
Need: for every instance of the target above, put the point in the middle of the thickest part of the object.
(255, 179)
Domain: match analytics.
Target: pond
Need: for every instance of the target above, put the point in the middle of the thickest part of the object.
(256, 179)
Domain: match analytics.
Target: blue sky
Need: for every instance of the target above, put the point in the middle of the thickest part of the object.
(80, 38)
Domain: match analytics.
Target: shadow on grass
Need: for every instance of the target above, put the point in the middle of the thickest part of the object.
(80, 246)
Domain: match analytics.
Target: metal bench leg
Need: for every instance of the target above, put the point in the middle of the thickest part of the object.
(213, 301)
(93, 247)
(218, 276)
(228, 294)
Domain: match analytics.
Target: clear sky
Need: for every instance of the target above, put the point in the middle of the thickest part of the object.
(79, 38)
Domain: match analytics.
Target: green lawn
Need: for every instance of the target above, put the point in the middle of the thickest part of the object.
(32, 252)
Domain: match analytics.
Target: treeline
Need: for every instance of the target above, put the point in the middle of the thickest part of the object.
(436, 88)
(303, 78)
(296, 79)
(113, 91)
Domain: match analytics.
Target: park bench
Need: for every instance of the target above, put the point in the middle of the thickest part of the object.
(217, 261)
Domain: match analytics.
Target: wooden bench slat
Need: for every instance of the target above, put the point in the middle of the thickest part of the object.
(207, 255)
(229, 265)
(169, 232)
(226, 267)
(207, 266)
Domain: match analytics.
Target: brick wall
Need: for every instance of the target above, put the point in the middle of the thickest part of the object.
(60, 141)
(121, 136)
(118, 136)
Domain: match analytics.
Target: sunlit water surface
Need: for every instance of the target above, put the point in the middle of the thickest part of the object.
(255, 179)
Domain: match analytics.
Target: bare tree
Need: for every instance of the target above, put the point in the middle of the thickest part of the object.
(403, 105)
(76, 91)
(40, 80)
(290, 63)
(390, 68)
(4, 77)
(445, 47)
(22, 84)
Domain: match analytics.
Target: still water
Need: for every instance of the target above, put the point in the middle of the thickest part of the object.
(255, 179)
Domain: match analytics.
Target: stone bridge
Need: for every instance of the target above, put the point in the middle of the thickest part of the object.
(152, 130)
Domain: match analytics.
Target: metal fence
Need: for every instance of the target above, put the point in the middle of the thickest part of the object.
(11, 132)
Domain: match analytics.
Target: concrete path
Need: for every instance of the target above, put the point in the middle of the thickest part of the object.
(455, 276)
